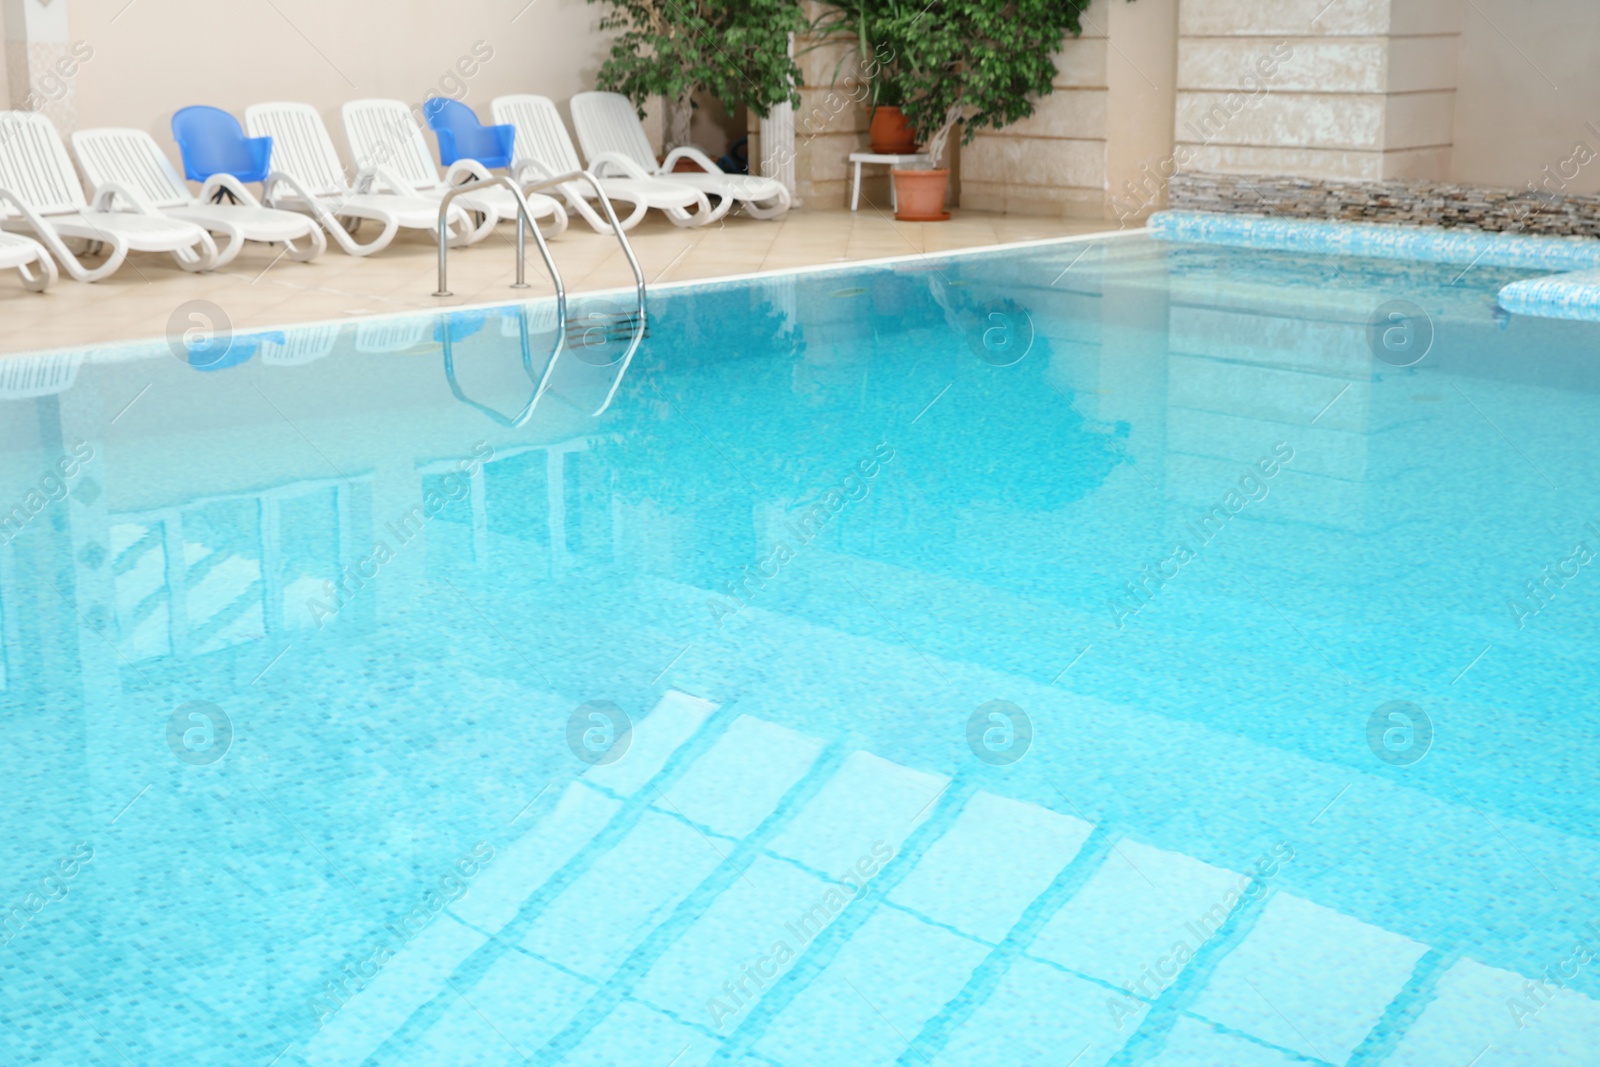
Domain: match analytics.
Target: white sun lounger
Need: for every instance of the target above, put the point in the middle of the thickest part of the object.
(543, 150)
(40, 194)
(611, 134)
(27, 257)
(307, 176)
(132, 160)
(385, 133)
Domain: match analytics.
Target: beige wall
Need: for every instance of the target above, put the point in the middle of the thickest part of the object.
(1141, 73)
(1529, 84)
(1361, 89)
(152, 57)
(1375, 88)
(1100, 135)
(1054, 161)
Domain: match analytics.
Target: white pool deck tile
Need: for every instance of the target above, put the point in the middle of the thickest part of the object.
(1193, 1042)
(740, 780)
(411, 978)
(1308, 978)
(495, 896)
(627, 892)
(868, 800)
(1135, 912)
(1037, 1014)
(261, 291)
(1493, 1014)
(983, 872)
(670, 723)
(735, 941)
(872, 999)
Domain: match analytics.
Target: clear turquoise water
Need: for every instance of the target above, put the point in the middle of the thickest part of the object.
(827, 523)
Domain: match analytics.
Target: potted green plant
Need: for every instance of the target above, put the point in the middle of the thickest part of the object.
(978, 63)
(736, 50)
(865, 23)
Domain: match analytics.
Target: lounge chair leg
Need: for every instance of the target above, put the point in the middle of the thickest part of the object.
(315, 245)
(39, 275)
(231, 250)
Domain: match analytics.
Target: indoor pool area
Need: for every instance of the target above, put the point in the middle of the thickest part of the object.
(1112, 650)
(800, 533)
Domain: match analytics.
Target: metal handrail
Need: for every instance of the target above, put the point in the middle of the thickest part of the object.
(542, 383)
(525, 222)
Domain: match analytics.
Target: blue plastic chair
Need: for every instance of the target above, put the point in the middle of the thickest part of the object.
(462, 136)
(212, 142)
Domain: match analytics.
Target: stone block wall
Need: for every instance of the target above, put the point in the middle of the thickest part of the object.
(1357, 89)
(1108, 119)
(1414, 202)
(1054, 162)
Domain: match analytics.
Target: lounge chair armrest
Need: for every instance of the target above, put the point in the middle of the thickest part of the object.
(374, 176)
(276, 178)
(312, 204)
(366, 177)
(603, 163)
(689, 152)
(46, 235)
(466, 168)
(529, 169)
(108, 193)
(232, 185)
(34, 220)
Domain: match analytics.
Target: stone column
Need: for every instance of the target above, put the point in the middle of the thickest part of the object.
(830, 123)
(775, 142)
(1356, 89)
(42, 62)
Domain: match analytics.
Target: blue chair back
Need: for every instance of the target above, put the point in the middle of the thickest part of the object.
(462, 136)
(212, 142)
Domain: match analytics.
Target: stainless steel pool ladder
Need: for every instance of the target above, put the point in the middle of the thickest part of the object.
(542, 382)
(524, 223)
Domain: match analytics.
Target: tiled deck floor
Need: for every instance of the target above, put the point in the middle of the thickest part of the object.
(258, 291)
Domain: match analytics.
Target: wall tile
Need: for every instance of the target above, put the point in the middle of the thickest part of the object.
(1298, 162)
(1081, 63)
(1034, 161)
(1079, 113)
(1352, 65)
(1278, 18)
(1311, 120)
(1059, 202)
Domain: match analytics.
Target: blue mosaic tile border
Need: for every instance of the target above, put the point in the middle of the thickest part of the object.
(1386, 242)
(1559, 296)
(1574, 294)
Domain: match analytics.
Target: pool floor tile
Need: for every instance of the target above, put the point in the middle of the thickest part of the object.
(984, 870)
(1308, 978)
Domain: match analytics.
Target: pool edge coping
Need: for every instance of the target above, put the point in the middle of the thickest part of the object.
(138, 344)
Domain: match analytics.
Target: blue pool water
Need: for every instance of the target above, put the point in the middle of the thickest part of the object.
(1105, 652)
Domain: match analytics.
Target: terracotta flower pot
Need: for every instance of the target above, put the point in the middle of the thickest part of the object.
(919, 195)
(889, 132)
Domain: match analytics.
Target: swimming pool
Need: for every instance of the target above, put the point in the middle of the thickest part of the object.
(1104, 651)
